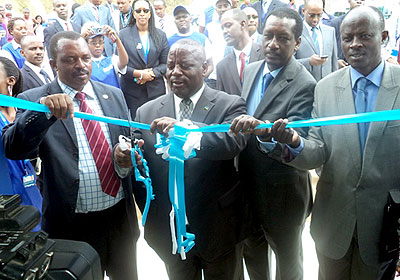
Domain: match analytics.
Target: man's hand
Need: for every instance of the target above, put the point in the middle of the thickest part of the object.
(162, 125)
(317, 60)
(285, 135)
(147, 76)
(123, 158)
(59, 105)
(247, 124)
(342, 63)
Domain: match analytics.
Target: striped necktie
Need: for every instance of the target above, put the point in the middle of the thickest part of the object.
(315, 38)
(101, 151)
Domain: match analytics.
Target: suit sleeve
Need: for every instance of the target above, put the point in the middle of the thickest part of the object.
(21, 139)
(161, 68)
(77, 18)
(335, 53)
(223, 146)
(220, 83)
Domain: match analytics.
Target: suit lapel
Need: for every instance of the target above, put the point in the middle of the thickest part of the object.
(90, 15)
(306, 36)
(136, 41)
(233, 69)
(255, 52)
(251, 75)
(33, 75)
(388, 93)
(203, 106)
(345, 105)
(68, 123)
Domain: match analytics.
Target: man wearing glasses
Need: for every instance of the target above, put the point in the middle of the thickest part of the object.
(252, 24)
(317, 51)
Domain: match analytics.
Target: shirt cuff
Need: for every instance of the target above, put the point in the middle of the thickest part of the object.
(267, 146)
(296, 151)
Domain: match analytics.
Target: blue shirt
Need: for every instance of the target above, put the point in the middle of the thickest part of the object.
(15, 53)
(103, 71)
(196, 36)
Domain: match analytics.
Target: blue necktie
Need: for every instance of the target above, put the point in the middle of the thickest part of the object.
(46, 77)
(315, 38)
(360, 102)
(267, 78)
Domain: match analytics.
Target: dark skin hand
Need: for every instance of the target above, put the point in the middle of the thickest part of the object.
(285, 135)
(162, 125)
(123, 158)
(59, 105)
(246, 124)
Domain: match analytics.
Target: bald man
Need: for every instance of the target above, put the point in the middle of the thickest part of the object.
(32, 48)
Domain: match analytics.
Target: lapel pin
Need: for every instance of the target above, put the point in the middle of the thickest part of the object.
(105, 96)
(139, 46)
(206, 108)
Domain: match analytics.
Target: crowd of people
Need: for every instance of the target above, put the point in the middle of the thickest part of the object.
(247, 191)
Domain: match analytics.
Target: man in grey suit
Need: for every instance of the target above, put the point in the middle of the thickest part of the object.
(214, 198)
(280, 195)
(317, 51)
(360, 161)
(94, 11)
(264, 8)
(230, 69)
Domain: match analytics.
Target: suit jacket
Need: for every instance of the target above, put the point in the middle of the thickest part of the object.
(84, 14)
(275, 4)
(307, 49)
(54, 28)
(228, 79)
(279, 194)
(30, 79)
(213, 197)
(56, 143)
(352, 188)
(157, 60)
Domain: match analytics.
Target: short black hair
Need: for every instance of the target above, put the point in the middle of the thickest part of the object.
(11, 70)
(54, 42)
(290, 14)
(237, 15)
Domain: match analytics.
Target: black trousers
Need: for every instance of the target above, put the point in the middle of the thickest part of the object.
(109, 233)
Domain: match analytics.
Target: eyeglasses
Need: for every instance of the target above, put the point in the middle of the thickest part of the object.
(146, 11)
(252, 17)
(95, 43)
(315, 15)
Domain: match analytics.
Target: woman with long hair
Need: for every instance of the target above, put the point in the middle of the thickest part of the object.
(147, 48)
(17, 176)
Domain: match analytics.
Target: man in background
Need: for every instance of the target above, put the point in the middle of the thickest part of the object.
(264, 8)
(163, 21)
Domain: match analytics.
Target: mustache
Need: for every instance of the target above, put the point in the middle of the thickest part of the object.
(80, 72)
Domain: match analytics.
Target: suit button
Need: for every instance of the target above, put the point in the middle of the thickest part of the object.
(76, 181)
(75, 155)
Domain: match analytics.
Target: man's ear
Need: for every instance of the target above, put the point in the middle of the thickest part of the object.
(204, 68)
(53, 64)
(298, 42)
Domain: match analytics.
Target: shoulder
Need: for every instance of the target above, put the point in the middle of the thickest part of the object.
(327, 28)
(152, 105)
(333, 78)
(222, 98)
(34, 94)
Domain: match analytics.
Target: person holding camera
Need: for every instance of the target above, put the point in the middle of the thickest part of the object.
(105, 69)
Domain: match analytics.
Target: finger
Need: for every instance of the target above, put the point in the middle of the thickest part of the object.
(153, 126)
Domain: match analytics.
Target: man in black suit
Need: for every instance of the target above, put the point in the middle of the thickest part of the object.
(264, 8)
(62, 22)
(214, 207)
(280, 196)
(85, 196)
(236, 34)
(33, 74)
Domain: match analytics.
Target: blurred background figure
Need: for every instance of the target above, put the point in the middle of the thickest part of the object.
(264, 8)
(29, 21)
(147, 48)
(3, 31)
(252, 24)
(124, 14)
(17, 176)
(39, 27)
(17, 28)
(164, 21)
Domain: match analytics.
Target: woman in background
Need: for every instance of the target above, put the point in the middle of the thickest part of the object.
(17, 176)
(147, 48)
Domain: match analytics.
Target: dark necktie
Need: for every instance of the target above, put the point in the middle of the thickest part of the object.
(100, 149)
(243, 63)
(162, 23)
(361, 103)
(267, 78)
(315, 38)
(186, 108)
(45, 75)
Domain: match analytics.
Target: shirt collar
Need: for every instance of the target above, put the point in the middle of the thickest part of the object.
(374, 77)
(87, 89)
(91, 5)
(310, 27)
(195, 98)
(246, 49)
(33, 66)
(184, 34)
(15, 45)
(98, 58)
(274, 73)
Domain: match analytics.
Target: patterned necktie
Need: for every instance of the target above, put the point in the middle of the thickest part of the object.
(243, 63)
(45, 75)
(315, 38)
(186, 109)
(266, 81)
(360, 102)
(162, 23)
(100, 149)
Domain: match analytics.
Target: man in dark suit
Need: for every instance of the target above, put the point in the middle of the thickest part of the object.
(348, 214)
(34, 75)
(280, 196)
(230, 69)
(92, 10)
(214, 206)
(62, 22)
(85, 196)
(264, 8)
(317, 51)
